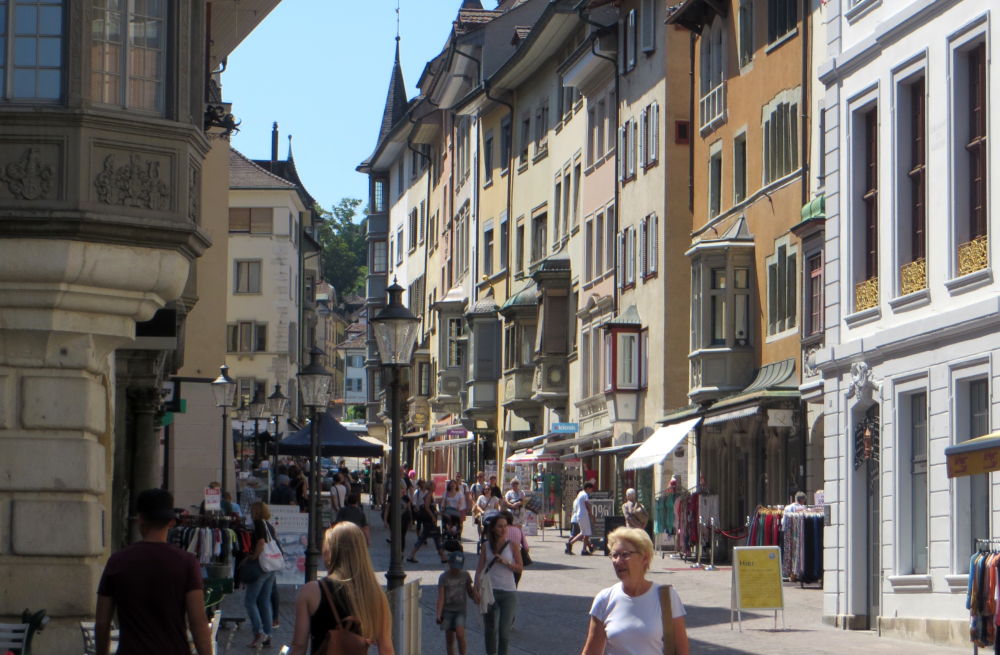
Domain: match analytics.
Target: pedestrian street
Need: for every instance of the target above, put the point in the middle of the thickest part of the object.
(555, 594)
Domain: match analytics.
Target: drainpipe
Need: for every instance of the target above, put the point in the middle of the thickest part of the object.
(804, 122)
(691, 125)
(580, 10)
(510, 179)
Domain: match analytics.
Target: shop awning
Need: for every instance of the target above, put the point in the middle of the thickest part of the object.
(979, 455)
(661, 443)
(588, 439)
(732, 415)
(410, 436)
(445, 443)
(620, 451)
(376, 442)
(536, 456)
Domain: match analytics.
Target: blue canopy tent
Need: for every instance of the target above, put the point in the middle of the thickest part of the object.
(334, 441)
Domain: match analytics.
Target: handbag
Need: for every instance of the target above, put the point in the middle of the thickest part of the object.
(485, 586)
(342, 640)
(666, 611)
(249, 571)
(525, 557)
(271, 558)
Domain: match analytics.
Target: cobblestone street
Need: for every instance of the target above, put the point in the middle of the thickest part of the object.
(556, 591)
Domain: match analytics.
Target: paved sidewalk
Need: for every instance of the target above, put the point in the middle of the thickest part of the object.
(555, 596)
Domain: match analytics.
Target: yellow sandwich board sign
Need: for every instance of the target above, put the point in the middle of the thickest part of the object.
(757, 580)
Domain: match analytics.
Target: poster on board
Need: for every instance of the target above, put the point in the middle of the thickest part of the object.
(292, 527)
(757, 578)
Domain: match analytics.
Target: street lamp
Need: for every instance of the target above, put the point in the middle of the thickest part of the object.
(314, 383)
(396, 331)
(275, 406)
(224, 390)
(258, 410)
(241, 414)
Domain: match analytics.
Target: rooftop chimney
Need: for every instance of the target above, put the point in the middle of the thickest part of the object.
(274, 142)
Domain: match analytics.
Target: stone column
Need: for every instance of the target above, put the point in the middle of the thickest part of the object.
(64, 307)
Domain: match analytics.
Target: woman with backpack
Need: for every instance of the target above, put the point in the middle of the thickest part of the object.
(345, 612)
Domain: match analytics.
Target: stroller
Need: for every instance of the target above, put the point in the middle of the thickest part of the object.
(451, 529)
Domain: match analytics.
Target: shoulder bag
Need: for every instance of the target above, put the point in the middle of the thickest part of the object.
(342, 640)
(485, 585)
(668, 620)
(271, 558)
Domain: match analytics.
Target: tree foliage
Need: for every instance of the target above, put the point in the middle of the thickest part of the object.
(344, 251)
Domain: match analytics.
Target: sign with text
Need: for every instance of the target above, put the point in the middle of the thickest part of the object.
(757, 578)
(213, 499)
(566, 428)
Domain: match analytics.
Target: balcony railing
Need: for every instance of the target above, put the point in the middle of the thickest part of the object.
(866, 294)
(973, 255)
(913, 276)
(713, 105)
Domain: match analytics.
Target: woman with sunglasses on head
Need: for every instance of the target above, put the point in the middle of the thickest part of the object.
(499, 560)
(628, 618)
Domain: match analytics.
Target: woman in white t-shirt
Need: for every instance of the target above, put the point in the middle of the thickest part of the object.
(626, 619)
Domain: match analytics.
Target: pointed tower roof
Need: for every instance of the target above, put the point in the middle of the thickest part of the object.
(395, 100)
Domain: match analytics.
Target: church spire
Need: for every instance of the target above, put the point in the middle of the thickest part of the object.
(395, 101)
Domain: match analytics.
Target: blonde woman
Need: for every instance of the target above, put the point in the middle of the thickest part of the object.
(356, 593)
(627, 619)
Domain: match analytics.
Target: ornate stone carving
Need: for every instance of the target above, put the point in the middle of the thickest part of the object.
(194, 195)
(136, 184)
(862, 380)
(809, 368)
(28, 178)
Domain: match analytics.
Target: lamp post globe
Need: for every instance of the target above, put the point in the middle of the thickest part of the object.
(314, 384)
(224, 390)
(396, 330)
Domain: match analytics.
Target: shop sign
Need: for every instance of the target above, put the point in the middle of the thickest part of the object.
(565, 428)
(213, 499)
(756, 580)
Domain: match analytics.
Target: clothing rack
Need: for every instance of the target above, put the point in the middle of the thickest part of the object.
(980, 594)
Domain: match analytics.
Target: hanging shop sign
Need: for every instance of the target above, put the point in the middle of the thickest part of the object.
(565, 428)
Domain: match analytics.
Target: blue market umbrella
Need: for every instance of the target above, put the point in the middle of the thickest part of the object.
(334, 441)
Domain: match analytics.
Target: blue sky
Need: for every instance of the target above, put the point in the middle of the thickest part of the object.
(320, 68)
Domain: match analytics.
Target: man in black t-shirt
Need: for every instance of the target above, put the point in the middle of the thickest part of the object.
(153, 585)
(352, 512)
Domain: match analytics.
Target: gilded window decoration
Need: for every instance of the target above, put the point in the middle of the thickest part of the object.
(973, 255)
(913, 276)
(866, 294)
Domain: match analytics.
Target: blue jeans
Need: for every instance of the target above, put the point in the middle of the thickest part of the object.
(498, 619)
(258, 603)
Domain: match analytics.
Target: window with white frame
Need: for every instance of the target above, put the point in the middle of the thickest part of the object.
(575, 202)
(740, 168)
(128, 57)
(712, 105)
(567, 202)
(542, 128)
(782, 16)
(519, 249)
(585, 361)
(525, 139)
(539, 234)
(972, 493)
(600, 235)
(399, 246)
(812, 309)
(412, 235)
(648, 246)
(610, 226)
(969, 76)
(557, 207)
(913, 157)
(504, 241)
(588, 259)
(648, 25)
(864, 203)
(380, 258)
(627, 363)
(913, 446)
(246, 337)
(627, 37)
(506, 144)
(488, 239)
(649, 135)
(246, 276)
(782, 288)
(488, 158)
(644, 359)
(721, 288)
(746, 32)
(715, 181)
(456, 338)
(781, 135)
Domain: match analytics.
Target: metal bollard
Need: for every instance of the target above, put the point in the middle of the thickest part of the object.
(711, 544)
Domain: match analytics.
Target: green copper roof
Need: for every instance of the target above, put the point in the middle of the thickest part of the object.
(526, 297)
(815, 208)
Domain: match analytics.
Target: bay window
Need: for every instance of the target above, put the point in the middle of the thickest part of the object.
(128, 53)
(31, 49)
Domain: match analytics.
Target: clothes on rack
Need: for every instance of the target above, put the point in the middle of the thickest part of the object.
(982, 597)
(802, 546)
(663, 512)
(764, 528)
(211, 540)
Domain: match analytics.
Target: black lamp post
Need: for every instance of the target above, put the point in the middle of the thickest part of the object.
(396, 330)
(314, 383)
(275, 406)
(224, 390)
(258, 410)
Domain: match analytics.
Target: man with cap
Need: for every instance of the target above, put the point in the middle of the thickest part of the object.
(153, 586)
(454, 586)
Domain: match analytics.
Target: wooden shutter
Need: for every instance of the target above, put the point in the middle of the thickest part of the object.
(643, 127)
(621, 259)
(261, 220)
(653, 146)
(643, 227)
(239, 219)
(651, 239)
